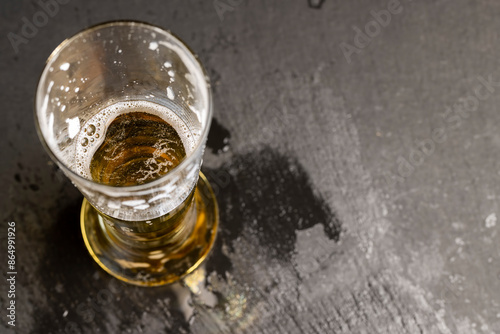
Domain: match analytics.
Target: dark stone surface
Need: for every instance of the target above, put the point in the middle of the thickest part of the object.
(358, 194)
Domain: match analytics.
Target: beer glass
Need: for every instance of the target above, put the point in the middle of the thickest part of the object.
(124, 109)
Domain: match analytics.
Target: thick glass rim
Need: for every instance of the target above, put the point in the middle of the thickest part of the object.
(172, 173)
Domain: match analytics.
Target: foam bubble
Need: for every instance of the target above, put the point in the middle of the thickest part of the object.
(90, 129)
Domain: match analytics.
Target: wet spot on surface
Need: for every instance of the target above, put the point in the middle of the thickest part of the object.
(270, 195)
(218, 137)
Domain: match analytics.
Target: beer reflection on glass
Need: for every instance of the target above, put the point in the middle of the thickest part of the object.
(124, 109)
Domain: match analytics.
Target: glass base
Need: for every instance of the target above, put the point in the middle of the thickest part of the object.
(153, 267)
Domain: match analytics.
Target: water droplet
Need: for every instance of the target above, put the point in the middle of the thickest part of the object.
(97, 135)
(153, 46)
(170, 93)
(64, 67)
(85, 142)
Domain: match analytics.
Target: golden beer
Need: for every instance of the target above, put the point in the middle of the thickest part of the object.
(138, 147)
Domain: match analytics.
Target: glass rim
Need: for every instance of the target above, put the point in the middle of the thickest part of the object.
(177, 169)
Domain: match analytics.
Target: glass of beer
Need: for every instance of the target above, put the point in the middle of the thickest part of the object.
(124, 109)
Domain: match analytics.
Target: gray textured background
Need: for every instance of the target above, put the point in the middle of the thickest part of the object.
(354, 231)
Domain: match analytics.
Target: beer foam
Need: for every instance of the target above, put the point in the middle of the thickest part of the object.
(93, 131)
